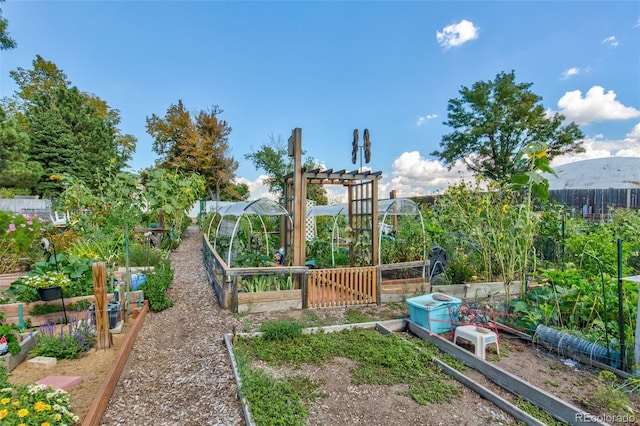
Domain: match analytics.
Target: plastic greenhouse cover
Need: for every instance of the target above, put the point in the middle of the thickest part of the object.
(395, 206)
(262, 207)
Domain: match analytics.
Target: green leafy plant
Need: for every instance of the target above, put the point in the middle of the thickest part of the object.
(156, 285)
(282, 401)
(33, 404)
(63, 342)
(45, 308)
(79, 271)
(9, 332)
(49, 279)
(281, 329)
(20, 235)
(379, 359)
(142, 255)
(611, 396)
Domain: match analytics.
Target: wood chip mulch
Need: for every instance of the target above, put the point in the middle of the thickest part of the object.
(179, 372)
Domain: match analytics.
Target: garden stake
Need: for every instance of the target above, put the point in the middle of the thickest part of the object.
(20, 317)
(623, 355)
(604, 297)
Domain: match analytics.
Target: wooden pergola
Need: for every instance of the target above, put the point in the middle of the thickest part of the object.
(362, 190)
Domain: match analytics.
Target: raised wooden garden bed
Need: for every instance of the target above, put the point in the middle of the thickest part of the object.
(9, 361)
(476, 290)
(267, 301)
(13, 317)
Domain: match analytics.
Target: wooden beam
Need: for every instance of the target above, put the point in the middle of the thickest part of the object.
(101, 400)
(299, 201)
(104, 339)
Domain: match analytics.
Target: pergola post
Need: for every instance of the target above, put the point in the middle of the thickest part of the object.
(299, 198)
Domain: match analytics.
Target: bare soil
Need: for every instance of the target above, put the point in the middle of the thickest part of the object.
(179, 371)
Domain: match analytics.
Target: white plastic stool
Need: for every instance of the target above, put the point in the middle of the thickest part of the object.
(478, 338)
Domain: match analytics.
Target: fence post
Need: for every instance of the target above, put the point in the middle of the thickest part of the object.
(378, 275)
(304, 282)
(102, 317)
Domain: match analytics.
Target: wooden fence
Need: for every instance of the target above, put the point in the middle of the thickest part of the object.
(315, 288)
(342, 286)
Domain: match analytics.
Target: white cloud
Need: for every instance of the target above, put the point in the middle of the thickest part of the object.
(257, 189)
(421, 120)
(634, 135)
(457, 34)
(570, 73)
(611, 41)
(637, 24)
(414, 175)
(596, 147)
(595, 106)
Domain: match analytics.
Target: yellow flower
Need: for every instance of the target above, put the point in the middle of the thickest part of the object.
(505, 208)
(23, 412)
(5, 401)
(538, 154)
(4, 413)
(54, 177)
(40, 406)
(45, 424)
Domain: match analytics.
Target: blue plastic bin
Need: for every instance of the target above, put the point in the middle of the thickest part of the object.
(435, 315)
(137, 280)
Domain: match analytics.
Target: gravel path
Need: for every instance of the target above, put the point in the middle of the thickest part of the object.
(178, 372)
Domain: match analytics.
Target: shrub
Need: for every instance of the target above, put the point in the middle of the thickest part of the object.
(13, 346)
(143, 255)
(281, 329)
(77, 340)
(156, 285)
(20, 235)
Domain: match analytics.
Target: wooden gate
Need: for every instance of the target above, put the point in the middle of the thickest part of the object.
(342, 286)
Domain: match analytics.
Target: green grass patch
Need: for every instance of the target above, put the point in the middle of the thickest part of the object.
(380, 360)
(354, 316)
(281, 329)
(275, 401)
(538, 413)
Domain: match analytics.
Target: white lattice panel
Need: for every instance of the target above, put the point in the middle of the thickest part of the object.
(310, 229)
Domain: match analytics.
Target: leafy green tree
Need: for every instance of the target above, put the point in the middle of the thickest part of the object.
(494, 120)
(6, 42)
(197, 143)
(235, 192)
(273, 158)
(16, 170)
(42, 80)
(173, 192)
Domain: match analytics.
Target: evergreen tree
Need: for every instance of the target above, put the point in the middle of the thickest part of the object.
(69, 137)
(16, 171)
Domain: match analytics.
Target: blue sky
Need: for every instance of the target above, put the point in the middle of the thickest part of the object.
(331, 67)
